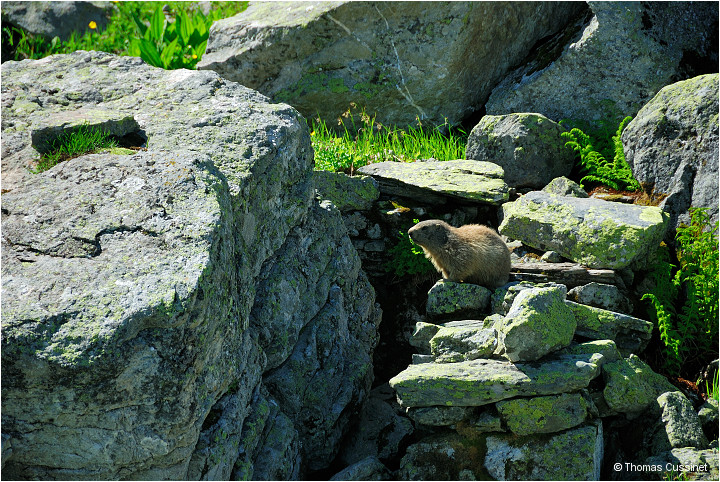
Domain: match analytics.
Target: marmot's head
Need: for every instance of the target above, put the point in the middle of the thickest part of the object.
(430, 234)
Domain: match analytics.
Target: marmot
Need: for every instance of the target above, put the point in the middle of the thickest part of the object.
(472, 253)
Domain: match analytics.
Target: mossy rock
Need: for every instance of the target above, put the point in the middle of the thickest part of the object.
(592, 232)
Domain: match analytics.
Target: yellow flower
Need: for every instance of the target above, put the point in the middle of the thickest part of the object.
(194, 56)
(312, 133)
(92, 24)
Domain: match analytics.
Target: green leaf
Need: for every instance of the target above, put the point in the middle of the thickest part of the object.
(167, 54)
(149, 53)
(134, 48)
(199, 50)
(142, 28)
(184, 28)
(157, 25)
(170, 33)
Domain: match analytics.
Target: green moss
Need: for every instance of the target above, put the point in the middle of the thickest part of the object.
(337, 86)
(367, 89)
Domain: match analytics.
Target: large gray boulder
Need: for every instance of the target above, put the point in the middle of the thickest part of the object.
(143, 294)
(56, 19)
(435, 61)
(672, 147)
(608, 67)
(527, 146)
(592, 232)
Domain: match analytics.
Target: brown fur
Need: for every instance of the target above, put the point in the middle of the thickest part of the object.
(472, 253)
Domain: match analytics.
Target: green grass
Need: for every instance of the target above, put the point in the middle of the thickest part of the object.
(136, 29)
(712, 388)
(358, 142)
(80, 141)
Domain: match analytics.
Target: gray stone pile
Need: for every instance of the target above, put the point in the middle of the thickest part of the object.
(487, 390)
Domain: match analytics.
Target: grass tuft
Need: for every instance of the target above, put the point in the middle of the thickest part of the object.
(360, 140)
(82, 140)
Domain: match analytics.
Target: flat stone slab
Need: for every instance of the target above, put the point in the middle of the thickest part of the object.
(479, 382)
(50, 126)
(592, 232)
(468, 180)
(568, 274)
(631, 334)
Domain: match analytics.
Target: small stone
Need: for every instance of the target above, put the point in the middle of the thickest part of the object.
(562, 186)
(448, 299)
(708, 415)
(487, 421)
(688, 462)
(380, 430)
(458, 343)
(551, 257)
(574, 454)
(600, 295)
(420, 339)
(606, 348)
(682, 427)
(441, 457)
(375, 246)
(418, 359)
(369, 468)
